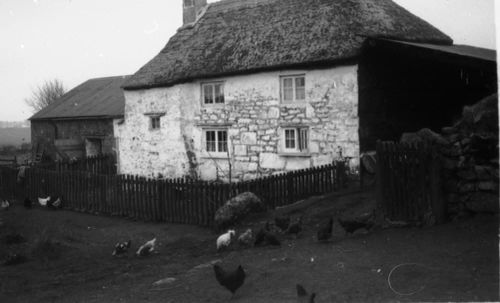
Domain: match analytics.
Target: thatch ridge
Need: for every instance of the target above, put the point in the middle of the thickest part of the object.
(238, 36)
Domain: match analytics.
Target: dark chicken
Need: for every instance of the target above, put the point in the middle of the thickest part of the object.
(325, 231)
(295, 228)
(121, 248)
(350, 226)
(304, 296)
(231, 280)
(265, 236)
(282, 222)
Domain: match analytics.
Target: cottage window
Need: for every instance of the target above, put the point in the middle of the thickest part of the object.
(293, 88)
(154, 122)
(212, 93)
(295, 140)
(216, 141)
(188, 3)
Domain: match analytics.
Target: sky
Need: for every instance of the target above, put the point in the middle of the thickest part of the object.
(75, 40)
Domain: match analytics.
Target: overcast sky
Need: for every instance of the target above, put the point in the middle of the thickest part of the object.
(75, 40)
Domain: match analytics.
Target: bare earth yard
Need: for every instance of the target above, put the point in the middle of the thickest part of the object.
(69, 260)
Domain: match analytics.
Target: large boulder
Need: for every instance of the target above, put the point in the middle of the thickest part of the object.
(236, 209)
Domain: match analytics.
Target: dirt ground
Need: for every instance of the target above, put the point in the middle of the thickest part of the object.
(69, 260)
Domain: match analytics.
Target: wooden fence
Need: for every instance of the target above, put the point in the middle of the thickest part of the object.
(99, 164)
(409, 184)
(8, 161)
(175, 201)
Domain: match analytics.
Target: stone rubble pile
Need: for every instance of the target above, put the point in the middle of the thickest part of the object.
(470, 157)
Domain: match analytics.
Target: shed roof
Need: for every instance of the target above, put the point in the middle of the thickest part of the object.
(457, 49)
(99, 97)
(242, 36)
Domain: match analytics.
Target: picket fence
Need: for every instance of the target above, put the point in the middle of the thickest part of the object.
(409, 182)
(172, 200)
(100, 164)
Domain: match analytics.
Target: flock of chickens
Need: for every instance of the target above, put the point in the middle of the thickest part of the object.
(269, 234)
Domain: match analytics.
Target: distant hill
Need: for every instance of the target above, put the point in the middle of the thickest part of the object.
(15, 136)
(11, 124)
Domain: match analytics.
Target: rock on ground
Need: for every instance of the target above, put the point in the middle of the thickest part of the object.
(236, 209)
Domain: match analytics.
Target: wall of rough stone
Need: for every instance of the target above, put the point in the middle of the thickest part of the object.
(254, 118)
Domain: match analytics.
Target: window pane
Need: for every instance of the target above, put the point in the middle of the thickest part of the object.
(300, 89)
(303, 138)
(208, 94)
(210, 139)
(288, 89)
(222, 141)
(289, 138)
(219, 93)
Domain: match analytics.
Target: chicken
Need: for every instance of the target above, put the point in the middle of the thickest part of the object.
(121, 248)
(43, 201)
(295, 228)
(224, 240)
(245, 238)
(325, 231)
(27, 203)
(350, 226)
(265, 236)
(54, 203)
(5, 205)
(147, 248)
(230, 280)
(282, 222)
(303, 296)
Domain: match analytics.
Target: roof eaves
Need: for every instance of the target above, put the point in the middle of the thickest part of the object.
(313, 64)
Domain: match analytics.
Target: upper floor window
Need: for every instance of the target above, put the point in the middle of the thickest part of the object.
(212, 93)
(295, 140)
(293, 88)
(188, 3)
(216, 140)
(154, 122)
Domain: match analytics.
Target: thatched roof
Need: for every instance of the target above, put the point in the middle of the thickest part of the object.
(94, 98)
(242, 36)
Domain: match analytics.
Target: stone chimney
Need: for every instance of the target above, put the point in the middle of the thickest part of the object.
(191, 9)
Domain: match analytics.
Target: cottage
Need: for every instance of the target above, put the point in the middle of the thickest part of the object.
(247, 88)
(80, 123)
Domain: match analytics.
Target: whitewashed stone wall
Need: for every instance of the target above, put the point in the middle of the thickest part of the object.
(254, 117)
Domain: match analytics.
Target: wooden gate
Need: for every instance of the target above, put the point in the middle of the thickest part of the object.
(409, 183)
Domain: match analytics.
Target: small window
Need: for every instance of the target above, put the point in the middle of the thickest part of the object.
(212, 93)
(154, 122)
(293, 88)
(188, 3)
(216, 141)
(295, 140)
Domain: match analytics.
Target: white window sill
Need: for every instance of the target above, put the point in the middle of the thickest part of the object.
(214, 155)
(294, 154)
(293, 104)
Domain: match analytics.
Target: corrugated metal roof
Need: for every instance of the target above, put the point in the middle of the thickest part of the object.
(99, 97)
(460, 50)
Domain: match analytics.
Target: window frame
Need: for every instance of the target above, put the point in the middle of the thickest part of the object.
(294, 78)
(217, 141)
(300, 139)
(213, 84)
(152, 124)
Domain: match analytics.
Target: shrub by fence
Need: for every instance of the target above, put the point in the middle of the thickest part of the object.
(173, 200)
(409, 186)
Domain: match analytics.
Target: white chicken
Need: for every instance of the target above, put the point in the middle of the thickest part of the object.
(147, 248)
(4, 205)
(43, 201)
(225, 239)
